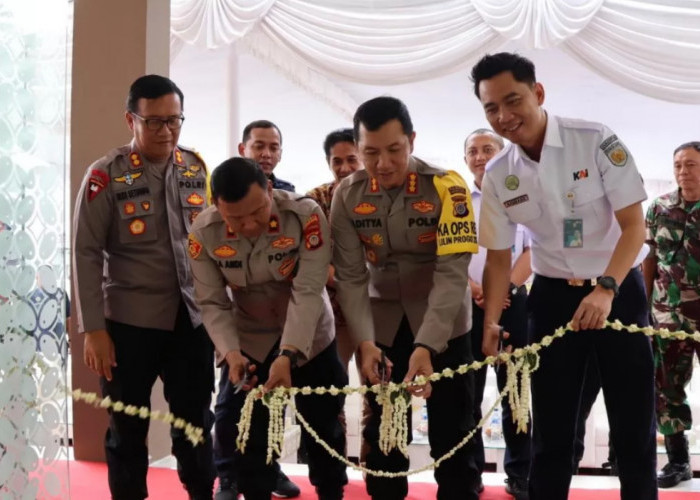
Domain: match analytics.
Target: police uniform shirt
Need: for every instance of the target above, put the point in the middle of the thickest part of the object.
(584, 175)
(131, 223)
(277, 283)
(404, 256)
(478, 262)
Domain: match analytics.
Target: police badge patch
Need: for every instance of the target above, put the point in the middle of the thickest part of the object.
(194, 247)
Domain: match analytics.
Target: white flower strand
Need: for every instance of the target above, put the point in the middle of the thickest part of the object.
(393, 426)
(520, 398)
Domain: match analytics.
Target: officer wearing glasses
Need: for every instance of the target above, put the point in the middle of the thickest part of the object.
(134, 292)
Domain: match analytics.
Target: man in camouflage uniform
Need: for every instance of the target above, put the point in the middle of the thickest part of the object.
(672, 275)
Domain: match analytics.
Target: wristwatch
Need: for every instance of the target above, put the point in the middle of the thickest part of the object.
(292, 355)
(609, 283)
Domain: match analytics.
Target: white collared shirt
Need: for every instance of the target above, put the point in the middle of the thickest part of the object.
(478, 261)
(584, 173)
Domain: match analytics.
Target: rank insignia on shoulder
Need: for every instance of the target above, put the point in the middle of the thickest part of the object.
(225, 251)
(137, 226)
(128, 178)
(274, 224)
(194, 247)
(178, 157)
(96, 183)
(412, 183)
(423, 206)
(615, 151)
(282, 242)
(364, 208)
(195, 199)
(373, 185)
(135, 159)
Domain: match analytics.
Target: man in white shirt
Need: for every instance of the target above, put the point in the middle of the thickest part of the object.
(576, 188)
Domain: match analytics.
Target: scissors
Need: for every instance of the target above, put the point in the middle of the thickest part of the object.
(500, 345)
(383, 370)
(247, 375)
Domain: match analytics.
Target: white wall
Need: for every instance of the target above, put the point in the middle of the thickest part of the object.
(444, 110)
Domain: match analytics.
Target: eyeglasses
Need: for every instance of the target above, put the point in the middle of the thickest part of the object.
(155, 124)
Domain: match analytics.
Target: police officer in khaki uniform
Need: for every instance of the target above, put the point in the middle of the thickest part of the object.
(271, 249)
(132, 217)
(403, 234)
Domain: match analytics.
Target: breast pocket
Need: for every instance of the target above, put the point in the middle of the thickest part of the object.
(137, 221)
(525, 212)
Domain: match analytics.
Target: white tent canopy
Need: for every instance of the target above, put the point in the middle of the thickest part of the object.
(649, 46)
(634, 65)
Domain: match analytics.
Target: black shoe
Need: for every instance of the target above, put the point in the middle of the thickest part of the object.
(671, 474)
(517, 487)
(227, 490)
(612, 466)
(284, 488)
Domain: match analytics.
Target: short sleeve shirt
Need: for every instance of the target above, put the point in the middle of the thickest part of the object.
(585, 174)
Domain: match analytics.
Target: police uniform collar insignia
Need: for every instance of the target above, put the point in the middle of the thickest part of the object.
(230, 233)
(178, 158)
(412, 183)
(274, 224)
(372, 186)
(128, 177)
(135, 160)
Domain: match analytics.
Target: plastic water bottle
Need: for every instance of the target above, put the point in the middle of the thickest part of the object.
(423, 424)
(495, 425)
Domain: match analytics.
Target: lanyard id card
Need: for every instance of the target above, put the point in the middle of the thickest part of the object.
(573, 233)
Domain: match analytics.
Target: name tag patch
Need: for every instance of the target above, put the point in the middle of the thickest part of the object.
(516, 201)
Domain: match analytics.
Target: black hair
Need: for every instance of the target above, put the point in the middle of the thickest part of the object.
(231, 180)
(688, 145)
(378, 111)
(340, 135)
(259, 124)
(485, 131)
(151, 87)
(490, 65)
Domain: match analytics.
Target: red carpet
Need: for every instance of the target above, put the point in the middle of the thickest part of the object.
(88, 481)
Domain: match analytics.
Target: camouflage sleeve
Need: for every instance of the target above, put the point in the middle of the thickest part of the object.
(650, 232)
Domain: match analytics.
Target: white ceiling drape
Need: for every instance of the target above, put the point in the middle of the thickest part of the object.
(649, 46)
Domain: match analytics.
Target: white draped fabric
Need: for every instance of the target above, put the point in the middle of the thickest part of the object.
(649, 46)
